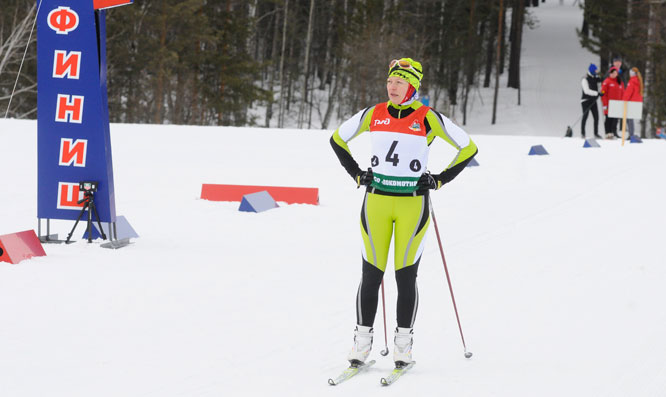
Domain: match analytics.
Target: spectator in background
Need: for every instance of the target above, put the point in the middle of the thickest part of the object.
(611, 90)
(633, 93)
(590, 84)
(617, 63)
(661, 133)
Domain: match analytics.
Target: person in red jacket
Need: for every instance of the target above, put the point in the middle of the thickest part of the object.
(633, 93)
(611, 90)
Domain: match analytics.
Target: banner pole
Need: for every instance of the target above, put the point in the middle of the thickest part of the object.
(624, 121)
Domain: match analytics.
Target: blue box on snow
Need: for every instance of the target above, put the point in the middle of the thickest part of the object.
(537, 150)
(591, 143)
(257, 202)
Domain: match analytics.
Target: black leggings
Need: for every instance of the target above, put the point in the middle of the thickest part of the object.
(367, 298)
(610, 125)
(590, 107)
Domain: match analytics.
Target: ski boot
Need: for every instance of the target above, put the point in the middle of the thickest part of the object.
(402, 352)
(362, 345)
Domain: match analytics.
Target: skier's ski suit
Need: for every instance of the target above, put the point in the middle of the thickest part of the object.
(400, 138)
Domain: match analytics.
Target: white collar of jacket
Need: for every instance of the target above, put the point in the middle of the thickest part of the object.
(411, 100)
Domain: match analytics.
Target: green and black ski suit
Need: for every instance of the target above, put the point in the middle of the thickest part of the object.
(394, 204)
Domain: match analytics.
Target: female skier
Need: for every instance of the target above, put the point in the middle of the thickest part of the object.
(397, 195)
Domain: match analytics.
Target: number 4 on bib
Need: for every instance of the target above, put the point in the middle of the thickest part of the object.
(391, 156)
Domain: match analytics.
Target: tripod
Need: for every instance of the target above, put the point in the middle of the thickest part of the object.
(88, 204)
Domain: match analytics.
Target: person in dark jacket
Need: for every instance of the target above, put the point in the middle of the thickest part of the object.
(617, 64)
(590, 85)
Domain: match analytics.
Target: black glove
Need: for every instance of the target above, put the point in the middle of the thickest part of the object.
(364, 178)
(428, 181)
(601, 94)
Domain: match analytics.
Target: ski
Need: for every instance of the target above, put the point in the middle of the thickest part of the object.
(397, 373)
(352, 370)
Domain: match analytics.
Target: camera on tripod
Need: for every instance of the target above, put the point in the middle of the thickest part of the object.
(88, 186)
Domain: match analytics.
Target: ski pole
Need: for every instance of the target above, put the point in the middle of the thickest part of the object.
(384, 352)
(586, 110)
(468, 354)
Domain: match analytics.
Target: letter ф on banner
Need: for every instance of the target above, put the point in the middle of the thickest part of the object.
(74, 142)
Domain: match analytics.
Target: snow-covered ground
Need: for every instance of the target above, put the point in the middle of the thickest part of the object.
(557, 263)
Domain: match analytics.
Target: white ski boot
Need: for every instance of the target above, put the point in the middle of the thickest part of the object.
(362, 345)
(402, 352)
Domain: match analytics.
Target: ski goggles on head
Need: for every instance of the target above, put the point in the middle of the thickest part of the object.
(402, 64)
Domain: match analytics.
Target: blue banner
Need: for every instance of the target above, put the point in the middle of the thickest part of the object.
(74, 142)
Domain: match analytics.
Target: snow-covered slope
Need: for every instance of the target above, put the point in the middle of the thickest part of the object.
(552, 66)
(557, 263)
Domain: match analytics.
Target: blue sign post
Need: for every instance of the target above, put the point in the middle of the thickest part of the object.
(74, 142)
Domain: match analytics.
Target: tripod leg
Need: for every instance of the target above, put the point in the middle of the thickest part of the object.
(101, 230)
(69, 236)
(111, 230)
(89, 225)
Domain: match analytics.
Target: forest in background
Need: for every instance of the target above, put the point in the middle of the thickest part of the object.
(279, 62)
(304, 63)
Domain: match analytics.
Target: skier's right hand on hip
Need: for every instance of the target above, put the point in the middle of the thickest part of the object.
(364, 178)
